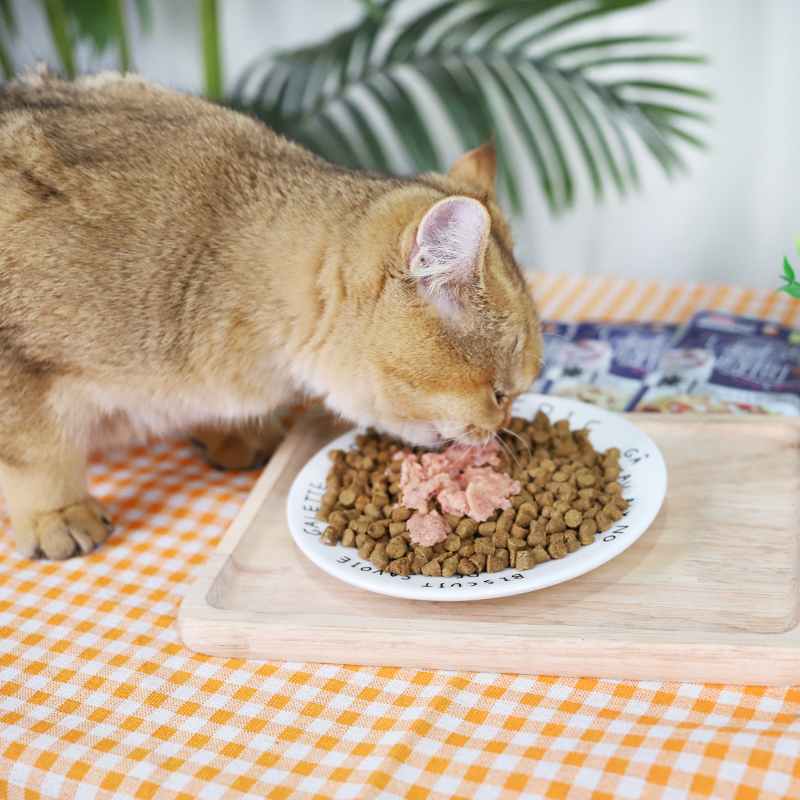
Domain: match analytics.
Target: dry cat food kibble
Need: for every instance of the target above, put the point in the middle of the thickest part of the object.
(552, 497)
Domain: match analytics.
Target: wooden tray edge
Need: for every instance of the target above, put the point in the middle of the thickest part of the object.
(681, 662)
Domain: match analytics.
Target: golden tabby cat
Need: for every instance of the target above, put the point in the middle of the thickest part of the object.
(166, 264)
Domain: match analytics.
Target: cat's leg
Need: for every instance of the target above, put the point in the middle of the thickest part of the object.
(52, 514)
(43, 478)
(248, 444)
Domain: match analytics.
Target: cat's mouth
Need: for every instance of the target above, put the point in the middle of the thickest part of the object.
(420, 434)
(432, 435)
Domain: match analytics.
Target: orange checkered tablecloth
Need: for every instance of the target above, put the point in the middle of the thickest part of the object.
(99, 699)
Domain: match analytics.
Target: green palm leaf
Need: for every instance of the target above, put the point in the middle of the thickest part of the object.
(520, 118)
(101, 22)
(6, 67)
(376, 150)
(7, 16)
(495, 67)
(9, 23)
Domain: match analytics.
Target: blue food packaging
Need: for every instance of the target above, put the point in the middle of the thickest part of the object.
(606, 362)
(724, 363)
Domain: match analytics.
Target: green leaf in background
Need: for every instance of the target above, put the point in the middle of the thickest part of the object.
(792, 289)
(56, 13)
(788, 272)
(374, 9)
(8, 22)
(7, 16)
(94, 20)
(101, 22)
(524, 69)
(122, 35)
(797, 244)
(6, 67)
(145, 14)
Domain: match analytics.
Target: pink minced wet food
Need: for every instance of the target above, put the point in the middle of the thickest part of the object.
(486, 491)
(464, 482)
(427, 530)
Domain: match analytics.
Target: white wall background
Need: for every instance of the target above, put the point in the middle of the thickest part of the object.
(731, 219)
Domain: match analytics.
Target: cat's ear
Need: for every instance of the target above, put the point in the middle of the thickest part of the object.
(448, 250)
(478, 168)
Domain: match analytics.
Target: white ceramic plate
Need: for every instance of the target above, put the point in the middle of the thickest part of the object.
(644, 478)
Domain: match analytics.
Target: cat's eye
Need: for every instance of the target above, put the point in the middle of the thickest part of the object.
(499, 397)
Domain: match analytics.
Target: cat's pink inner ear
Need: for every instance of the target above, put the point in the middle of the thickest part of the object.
(449, 243)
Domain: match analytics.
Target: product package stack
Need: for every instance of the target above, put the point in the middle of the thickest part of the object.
(715, 363)
(555, 336)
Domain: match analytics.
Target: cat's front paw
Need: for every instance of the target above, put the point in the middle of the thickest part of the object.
(74, 530)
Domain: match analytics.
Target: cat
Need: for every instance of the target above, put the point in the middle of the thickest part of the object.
(166, 263)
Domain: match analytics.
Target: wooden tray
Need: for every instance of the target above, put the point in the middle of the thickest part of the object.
(710, 593)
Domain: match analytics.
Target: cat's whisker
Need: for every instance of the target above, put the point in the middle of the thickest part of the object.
(463, 436)
(508, 450)
(512, 458)
(517, 436)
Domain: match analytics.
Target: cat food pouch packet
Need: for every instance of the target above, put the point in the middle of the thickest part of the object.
(554, 336)
(723, 363)
(607, 361)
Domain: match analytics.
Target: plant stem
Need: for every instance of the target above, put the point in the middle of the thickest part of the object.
(122, 35)
(209, 25)
(5, 63)
(57, 19)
